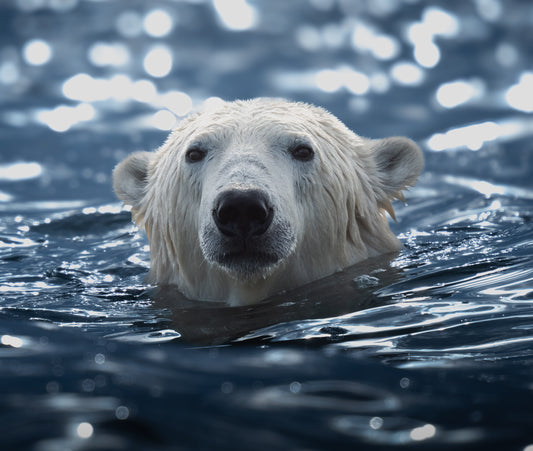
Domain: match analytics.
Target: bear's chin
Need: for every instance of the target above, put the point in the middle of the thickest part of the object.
(247, 266)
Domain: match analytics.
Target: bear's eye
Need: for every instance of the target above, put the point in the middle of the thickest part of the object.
(195, 154)
(302, 152)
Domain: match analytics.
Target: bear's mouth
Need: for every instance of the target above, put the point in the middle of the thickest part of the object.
(247, 263)
(248, 258)
(254, 258)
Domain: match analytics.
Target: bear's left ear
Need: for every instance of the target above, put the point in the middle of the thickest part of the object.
(130, 178)
(399, 162)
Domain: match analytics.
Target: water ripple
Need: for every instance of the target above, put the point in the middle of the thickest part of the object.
(325, 395)
(420, 350)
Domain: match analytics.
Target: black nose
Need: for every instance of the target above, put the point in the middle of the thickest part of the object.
(242, 213)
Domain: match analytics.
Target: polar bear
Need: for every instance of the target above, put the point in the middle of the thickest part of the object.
(258, 196)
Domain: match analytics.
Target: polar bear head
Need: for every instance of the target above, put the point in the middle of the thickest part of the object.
(259, 196)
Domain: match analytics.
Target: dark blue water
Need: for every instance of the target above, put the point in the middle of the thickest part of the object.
(428, 349)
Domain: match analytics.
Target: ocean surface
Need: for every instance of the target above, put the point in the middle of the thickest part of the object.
(431, 348)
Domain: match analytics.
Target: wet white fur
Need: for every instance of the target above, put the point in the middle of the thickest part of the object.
(334, 205)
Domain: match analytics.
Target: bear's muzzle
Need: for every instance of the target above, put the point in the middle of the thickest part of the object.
(242, 213)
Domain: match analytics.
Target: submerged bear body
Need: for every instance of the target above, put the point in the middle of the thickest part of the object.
(264, 195)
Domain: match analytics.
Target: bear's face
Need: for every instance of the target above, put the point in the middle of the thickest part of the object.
(250, 195)
(263, 195)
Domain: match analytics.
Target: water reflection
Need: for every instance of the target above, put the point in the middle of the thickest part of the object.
(474, 136)
(158, 61)
(120, 87)
(345, 77)
(456, 76)
(381, 46)
(9, 72)
(339, 294)
(384, 430)
(9, 340)
(435, 23)
(406, 73)
(63, 117)
(520, 95)
(35, 5)
(177, 102)
(455, 93)
(37, 52)
(129, 24)
(84, 430)
(109, 54)
(157, 23)
(358, 49)
(337, 396)
(236, 15)
(20, 171)
(471, 136)
(163, 120)
(86, 88)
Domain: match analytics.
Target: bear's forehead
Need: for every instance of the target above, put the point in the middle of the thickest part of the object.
(263, 123)
(262, 118)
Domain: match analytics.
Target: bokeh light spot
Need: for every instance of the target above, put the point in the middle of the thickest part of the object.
(376, 423)
(177, 102)
(129, 24)
(85, 88)
(381, 46)
(63, 117)
(385, 47)
(423, 432)
(328, 80)
(144, 91)
(406, 73)
(122, 412)
(10, 340)
(236, 15)
(104, 54)
(120, 87)
(507, 54)
(163, 120)
(380, 82)
(85, 430)
(308, 38)
(158, 61)
(15, 172)
(37, 52)
(157, 23)
(490, 10)
(440, 22)
(520, 96)
(455, 93)
(9, 72)
(355, 82)
(212, 103)
(427, 54)
(471, 136)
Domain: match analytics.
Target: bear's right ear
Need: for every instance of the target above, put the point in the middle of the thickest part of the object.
(130, 178)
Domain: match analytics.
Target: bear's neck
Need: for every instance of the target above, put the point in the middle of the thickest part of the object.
(215, 284)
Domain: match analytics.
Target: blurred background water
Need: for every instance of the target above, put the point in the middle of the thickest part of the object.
(431, 349)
